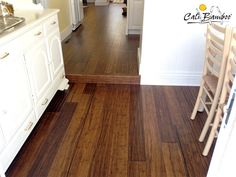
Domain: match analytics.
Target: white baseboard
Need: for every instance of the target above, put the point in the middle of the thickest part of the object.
(66, 32)
(175, 79)
(134, 31)
(101, 3)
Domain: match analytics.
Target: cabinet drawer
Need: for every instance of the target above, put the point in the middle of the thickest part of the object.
(33, 36)
(51, 25)
(12, 148)
(9, 49)
(42, 104)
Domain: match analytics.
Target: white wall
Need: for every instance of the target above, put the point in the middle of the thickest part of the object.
(173, 51)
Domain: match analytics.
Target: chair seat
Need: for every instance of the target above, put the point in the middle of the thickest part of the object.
(211, 82)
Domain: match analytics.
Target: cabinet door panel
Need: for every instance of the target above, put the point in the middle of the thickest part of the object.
(38, 67)
(55, 52)
(16, 98)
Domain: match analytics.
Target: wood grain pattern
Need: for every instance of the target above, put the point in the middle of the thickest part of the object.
(173, 160)
(111, 156)
(100, 130)
(100, 46)
(36, 143)
(62, 161)
(52, 143)
(138, 169)
(136, 129)
(103, 79)
(167, 129)
(155, 161)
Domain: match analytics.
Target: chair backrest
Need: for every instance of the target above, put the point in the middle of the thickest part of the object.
(217, 49)
(231, 65)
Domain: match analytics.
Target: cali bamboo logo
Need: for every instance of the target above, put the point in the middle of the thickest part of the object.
(203, 14)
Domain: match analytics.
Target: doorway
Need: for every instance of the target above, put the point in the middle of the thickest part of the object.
(100, 47)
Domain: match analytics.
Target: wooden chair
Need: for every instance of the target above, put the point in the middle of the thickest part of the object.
(216, 54)
(227, 85)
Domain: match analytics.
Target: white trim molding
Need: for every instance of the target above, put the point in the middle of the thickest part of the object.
(101, 3)
(66, 32)
(134, 31)
(171, 78)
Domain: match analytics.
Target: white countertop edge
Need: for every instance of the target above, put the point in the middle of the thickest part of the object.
(38, 17)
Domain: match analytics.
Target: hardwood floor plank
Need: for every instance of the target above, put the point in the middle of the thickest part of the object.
(167, 128)
(137, 169)
(90, 88)
(58, 100)
(188, 131)
(62, 161)
(104, 79)
(136, 132)
(87, 143)
(111, 156)
(71, 91)
(155, 163)
(119, 157)
(47, 154)
(100, 130)
(78, 92)
(173, 160)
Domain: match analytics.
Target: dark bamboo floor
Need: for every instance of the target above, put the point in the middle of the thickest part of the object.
(100, 46)
(97, 130)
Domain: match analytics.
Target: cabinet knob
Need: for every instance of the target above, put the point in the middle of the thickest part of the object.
(53, 23)
(29, 126)
(45, 101)
(4, 55)
(38, 34)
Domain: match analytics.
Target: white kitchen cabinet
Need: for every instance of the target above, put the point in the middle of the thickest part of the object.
(38, 68)
(54, 46)
(15, 94)
(16, 108)
(135, 16)
(31, 71)
(55, 53)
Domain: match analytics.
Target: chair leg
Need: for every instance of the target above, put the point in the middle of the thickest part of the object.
(197, 104)
(209, 119)
(212, 133)
(201, 107)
